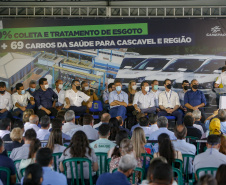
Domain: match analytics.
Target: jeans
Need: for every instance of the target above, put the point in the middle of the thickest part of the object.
(177, 114)
(4, 115)
(118, 111)
(20, 112)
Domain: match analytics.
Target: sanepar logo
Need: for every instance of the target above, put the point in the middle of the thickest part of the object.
(216, 32)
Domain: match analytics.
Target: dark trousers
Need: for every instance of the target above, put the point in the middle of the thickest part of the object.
(177, 114)
(42, 113)
(4, 115)
(86, 181)
(18, 112)
(202, 113)
(79, 111)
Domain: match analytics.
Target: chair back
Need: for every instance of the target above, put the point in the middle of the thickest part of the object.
(96, 106)
(102, 162)
(191, 139)
(17, 163)
(208, 170)
(186, 159)
(179, 175)
(108, 164)
(180, 162)
(75, 162)
(7, 171)
(22, 172)
(56, 157)
(8, 153)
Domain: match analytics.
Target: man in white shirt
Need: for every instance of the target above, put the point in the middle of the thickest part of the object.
(155, 91)
(169, 103)
(70, 121)
(105, 117)
(60, 93)
(111, 87)
(5, 125)
(20, 100)
(221, 79)
(33, 123)
(74, 98)
(5, 101)
(44, 130)
(144, 101)
(87, 128)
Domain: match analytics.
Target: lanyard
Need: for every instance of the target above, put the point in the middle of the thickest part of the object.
(168, 99)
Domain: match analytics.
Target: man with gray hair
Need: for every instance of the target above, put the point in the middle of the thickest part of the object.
(126, 166)
(32, 87)
(162, 124)
(105, 117)
(70, 121)
(33, 123)
(197, 115)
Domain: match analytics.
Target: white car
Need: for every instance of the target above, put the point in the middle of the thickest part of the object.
(178, 68)
(149, 66)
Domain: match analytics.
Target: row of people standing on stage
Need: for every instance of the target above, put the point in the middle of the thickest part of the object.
(164, 103)
(45, 100)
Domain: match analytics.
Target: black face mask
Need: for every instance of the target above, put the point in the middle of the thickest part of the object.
(2, 92)
(168, 86)
(78, 88)
(185, 88)
(195, 86)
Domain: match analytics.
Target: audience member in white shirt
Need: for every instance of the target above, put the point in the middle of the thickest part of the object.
(155, 91)
(5, 101)
(44, 130)
(33, 123)
(70, 122)
(60, 93)
(20, 100)
(105, 117)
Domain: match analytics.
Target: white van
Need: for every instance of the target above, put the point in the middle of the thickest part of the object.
(177, 68)
(149, 66)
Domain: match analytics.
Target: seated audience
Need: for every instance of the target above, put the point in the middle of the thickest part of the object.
(32, 88)
(5, 125)
(153, 122)
(166, 149)
(5, 161)
(138, 140)
(169, 102)
(205, 159)
(16, 135)
(207, 179)
(111, 87)
(55, 142)
(6, 103)
(74, 98)
(195, 99)
(118, 101)
(144, 101)
(144, 123)
(207, 121)
(89, 92)
(126, 166)
(60, 93)
(23, 151)
(196, 114)
(185, 86)
(33, 123)
(122, 134)
(45, 124)
(155, 91)
(105, 117)
(79, 147)
(27, 114)
(20, 100)
(18, 124)
(132, 89)
(45, 99)
(33, 175)
(220, 176)
(35, 145)
(70, 122)
(162, 123)
(191, 130)
(87, 128)
(103, 144)
(138, 116)
(121, 125)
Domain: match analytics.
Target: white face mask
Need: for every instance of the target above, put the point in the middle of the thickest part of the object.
(46, 86)
(147, 88)
(60, 86)
(86, 88)
(134, 87)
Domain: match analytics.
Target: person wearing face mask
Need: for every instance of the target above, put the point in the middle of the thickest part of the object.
(111, 87)
(132, 89)
(60, 93)
(5, 101)
(32, 87)
(155, 91)
(74, 98)
(118, 101)
(45, 99)
(169, 102)
(185, 86)
(90, 92)
(144, 101)
(20, 101)
(195, 99)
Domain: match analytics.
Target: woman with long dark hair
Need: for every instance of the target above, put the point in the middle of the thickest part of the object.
(79, 147)
(114, 128)
(166, 149)
(33, 175)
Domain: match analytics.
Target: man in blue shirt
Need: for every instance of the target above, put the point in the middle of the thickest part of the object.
(118, 101)
(45, 99)
(32, 87)
(126, 166)
(195, 99)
